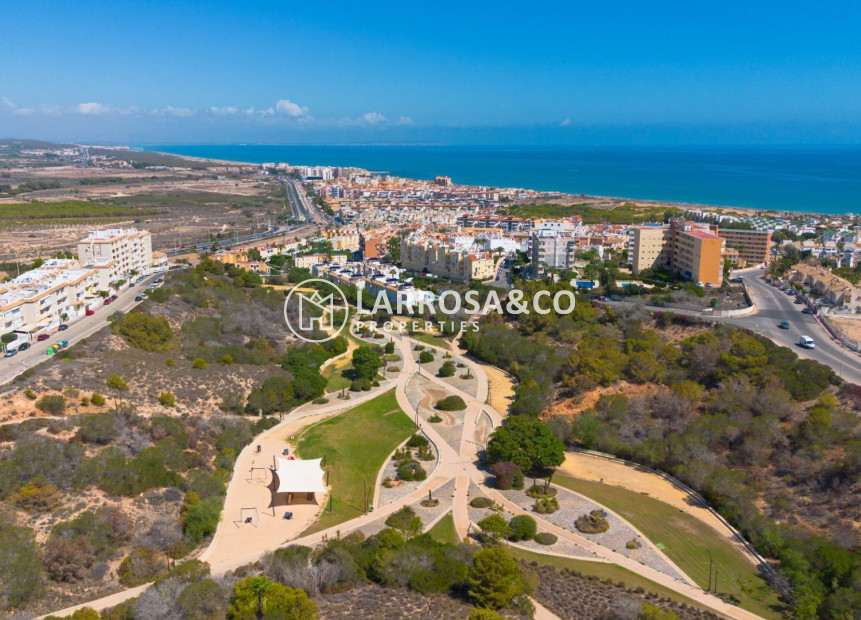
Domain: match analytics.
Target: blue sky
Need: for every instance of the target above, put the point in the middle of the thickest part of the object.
(453, 72)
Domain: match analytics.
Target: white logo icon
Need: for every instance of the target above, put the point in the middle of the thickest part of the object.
(316, 311)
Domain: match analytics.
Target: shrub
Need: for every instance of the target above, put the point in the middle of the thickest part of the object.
(278, 601)
(68, 560)
(98, 428)
(21, 578)
(545, 538)
(494, 526)
(37, 496)
(481, 502)
(170, 362)
(416, 441)
(447, 370)
(411, 470)
(451, 403)
(144, 331)
(435, 418)
(141, 566)
(321, 401)
(389, 348)
(167, 399)
(29, 393)
(199, 363)
(97, 399)
(117, 382)
(494, 579)
(85, 401)
(200, 517)
(425, 357)
(546, 505)
(540, 490)
(360, 385)
(227, 359)
(593, 523)
(508, 476)
(522, 527)
(52, 404)
(634, 543)
(406, 521)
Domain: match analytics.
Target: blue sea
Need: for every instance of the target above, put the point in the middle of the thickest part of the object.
(802, 179)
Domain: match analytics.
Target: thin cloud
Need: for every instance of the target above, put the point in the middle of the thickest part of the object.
(566, 122)
(404, 120)
(225, 111)
(172, 111)
(285, 106)
(373, 118)
(92, 109)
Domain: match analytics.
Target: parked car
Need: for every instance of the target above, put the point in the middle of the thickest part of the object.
(23, 346)
(113, 297)
(10, 352)
(131, 283)
(108, 301)
(798, 301)
(63, 344)
(42, 337)
(806, 311)
(783, 325)
(89, 312)
(138, 298)
(63, 327)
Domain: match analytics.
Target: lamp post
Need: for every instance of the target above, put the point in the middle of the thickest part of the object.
(710, 570)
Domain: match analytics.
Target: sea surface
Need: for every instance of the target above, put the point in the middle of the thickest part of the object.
(802, 179)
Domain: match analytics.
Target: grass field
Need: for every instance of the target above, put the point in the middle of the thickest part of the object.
(430, 339)
(602, 570)
(355, 446)
(338, 377)
(443, 530)
(687, 541)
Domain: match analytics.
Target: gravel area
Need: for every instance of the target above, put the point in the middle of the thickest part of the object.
(443, 494)
(403, 488)
(423, 394)
(470, 386)
(573, 505)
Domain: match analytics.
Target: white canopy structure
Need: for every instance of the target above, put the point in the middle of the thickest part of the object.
(300, 476)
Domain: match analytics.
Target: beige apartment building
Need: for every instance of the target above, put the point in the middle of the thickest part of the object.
(446, 262)
(117, 253)
(678, 247)
(754, 246)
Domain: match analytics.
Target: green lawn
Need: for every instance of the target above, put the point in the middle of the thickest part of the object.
(602, 570)
(686, 541)
(430, 339)
(443, 530)
(355, 445)
(338, 377)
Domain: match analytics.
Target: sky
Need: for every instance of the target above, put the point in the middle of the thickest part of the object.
(151, 72)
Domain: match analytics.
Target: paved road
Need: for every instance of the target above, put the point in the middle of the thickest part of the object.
(11, 367)
(774, 307)
(301, 206)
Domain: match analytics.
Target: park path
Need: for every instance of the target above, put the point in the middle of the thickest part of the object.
(232, 548)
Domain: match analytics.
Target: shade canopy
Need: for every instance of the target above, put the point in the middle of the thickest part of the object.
(300, 476)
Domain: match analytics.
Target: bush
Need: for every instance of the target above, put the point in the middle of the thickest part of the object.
(451, 403)
(447, 370)
(593, 523)
(37, 496)
(29, 393)
(278, 601)
(167, 399)
(85, 401)
(98, 428)
(494, 579)
(117, 382)
(97, 399)
(435, 418)
(425, 357)
(360, 385)
(481, 502)
(170, 362)
(522, 527)
(227, 359)
(140, 566)
(634, 543)
(494, 526)
(406, 521)
(144, 331)
(52, 404)
(508, 476)
(546, 505)
(411, 470)
(199, 363)
(540, 490)
(416, 441)
(68, 561)
(200, 517)
(545, 538)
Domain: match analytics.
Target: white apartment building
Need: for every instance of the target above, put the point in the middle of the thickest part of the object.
(117, 253)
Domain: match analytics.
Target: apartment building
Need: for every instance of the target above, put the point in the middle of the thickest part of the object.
(59, 290)
(552, 249)
(679, 247)
(117, 253)
(442, 260)
(754, 246)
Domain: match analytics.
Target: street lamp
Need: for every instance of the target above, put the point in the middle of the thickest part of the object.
(710, 570)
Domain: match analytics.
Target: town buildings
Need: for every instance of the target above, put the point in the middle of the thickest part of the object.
(678, 247)
(440, 259)
(117, 253)
(754, 246)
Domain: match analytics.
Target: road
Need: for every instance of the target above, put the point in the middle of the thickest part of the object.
(303, 208)
(774, 307)
(11, 367)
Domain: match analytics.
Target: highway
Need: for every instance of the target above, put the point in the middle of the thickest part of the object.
(11, 367)
(773, 307)
(303, 208)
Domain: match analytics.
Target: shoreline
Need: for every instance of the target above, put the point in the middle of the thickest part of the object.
(640, 202)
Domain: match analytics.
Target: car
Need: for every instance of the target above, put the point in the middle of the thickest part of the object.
(138, 298)
(806, 311)
(23, 346)
(63, 344)
(806, 342)
(783, 325)
(113, 297)
(131, 283)
(10, 352)
(42, 337)
(89, 312)
(798, 301)
(63, 327)
(108, 301)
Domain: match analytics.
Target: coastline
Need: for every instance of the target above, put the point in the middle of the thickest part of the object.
(566, 198)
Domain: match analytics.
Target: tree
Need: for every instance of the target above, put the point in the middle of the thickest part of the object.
(527, 442)
(201, 600)
(366, 362)
(390, 347)
(144, 331)
(256, 597)
(140, 566)
(494, 579)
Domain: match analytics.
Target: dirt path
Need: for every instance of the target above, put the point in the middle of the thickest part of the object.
(500, 389)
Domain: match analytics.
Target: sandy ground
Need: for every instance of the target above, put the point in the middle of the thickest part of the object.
(851, 328)
(579, 404)
(500, 389)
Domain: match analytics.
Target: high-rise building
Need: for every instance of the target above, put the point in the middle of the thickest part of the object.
(680, 248)
(754, 246)
(117, 253)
